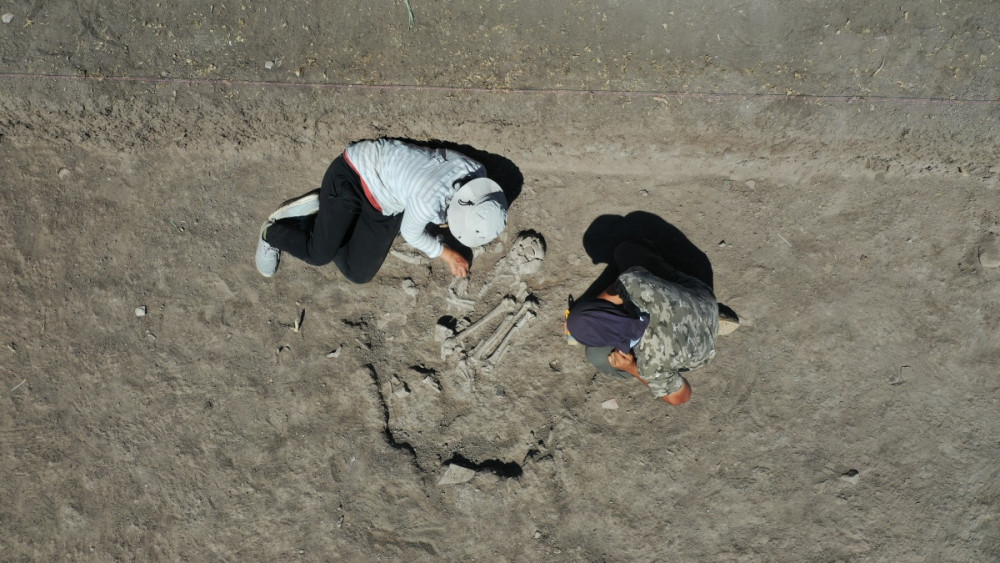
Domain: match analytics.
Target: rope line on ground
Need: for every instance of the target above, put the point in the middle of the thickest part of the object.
(474, 90)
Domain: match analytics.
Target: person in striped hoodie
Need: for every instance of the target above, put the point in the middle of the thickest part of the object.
(376, 190)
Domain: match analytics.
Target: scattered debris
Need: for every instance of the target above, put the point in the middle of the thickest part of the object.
(410, 287)
(401, 389)
(610, 404)
(140, 311)
(456, 474)
(23, 381)
(432, 382)
(409, 258)
(410, 20)
(989, 251)
(877, 70)
(899, 378)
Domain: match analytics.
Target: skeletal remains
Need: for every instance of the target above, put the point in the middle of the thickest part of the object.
(488, 351)
(476, 348)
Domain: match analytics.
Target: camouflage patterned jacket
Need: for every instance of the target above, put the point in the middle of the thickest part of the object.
(684, 321)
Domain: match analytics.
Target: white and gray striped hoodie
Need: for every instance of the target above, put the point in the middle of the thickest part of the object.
(418, 182)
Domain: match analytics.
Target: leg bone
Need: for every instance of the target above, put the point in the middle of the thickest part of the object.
(505, 326)
(497, 354)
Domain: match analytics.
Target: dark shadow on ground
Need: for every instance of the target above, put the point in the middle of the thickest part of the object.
(498, 168)
(608, 231)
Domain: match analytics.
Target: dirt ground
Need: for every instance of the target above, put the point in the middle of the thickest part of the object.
(836, 162)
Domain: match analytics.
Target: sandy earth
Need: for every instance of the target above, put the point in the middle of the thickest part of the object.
(836, 162)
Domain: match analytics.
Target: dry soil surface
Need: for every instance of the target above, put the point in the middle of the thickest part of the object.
(836, 162)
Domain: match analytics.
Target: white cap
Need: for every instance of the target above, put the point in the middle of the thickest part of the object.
(477, 213)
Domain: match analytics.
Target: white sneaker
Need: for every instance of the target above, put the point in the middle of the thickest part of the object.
(297, 207)
(267, 256)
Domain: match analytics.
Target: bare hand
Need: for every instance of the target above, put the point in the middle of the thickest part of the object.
(622, 361)
(456, 262)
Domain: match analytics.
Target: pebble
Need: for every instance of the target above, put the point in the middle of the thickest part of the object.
(269, 65)
(335, 353)
(456, 474)
(610, 404)
(140, 311)
(851, 476)
(410, 287)
(8, 17)
(751, 184)
(64, 173)
(644, 193)
(989, 251)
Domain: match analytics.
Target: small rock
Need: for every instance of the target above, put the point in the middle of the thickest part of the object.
(456, 474)
(538, 534)
(7, 18)
(432, 383)
(722, 244)
(140, 311)
(555, 365)
(644, 193)
(269, 65)
(989, 251)
(751, 184)
(335, 353)
(150, 336)
(64, 173)
(851, 476)
(410, 287)
(610, 404)
(400, 388)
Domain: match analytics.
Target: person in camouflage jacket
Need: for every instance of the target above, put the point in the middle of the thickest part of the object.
(681, 317)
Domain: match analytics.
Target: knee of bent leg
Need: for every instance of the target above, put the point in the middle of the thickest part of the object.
(358, 277)
(318, 259)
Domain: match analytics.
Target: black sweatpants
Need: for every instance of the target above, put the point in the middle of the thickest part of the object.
(347, 230)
